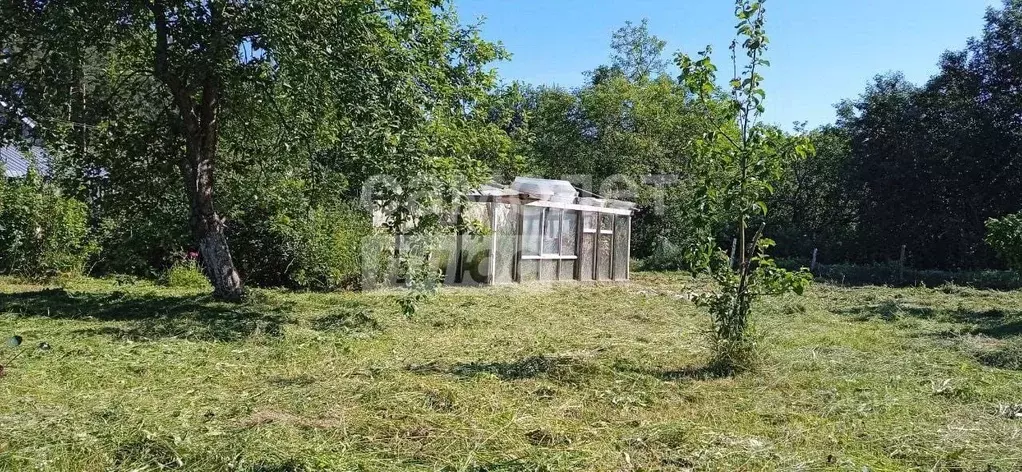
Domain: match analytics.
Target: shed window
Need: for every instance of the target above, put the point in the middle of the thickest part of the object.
(569, 233)
(606, 223)
(532, 224)
(589, 222)
(552, 232)
(549, 233)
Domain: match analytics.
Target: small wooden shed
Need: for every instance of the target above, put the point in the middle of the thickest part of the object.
(542, 230)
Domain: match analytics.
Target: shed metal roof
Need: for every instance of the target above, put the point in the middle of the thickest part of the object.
(16, 162)
(549, 193)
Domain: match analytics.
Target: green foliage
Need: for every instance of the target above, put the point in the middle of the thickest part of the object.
(42, 232)
(311, 98)
(615, 126)
(329, 256)
(283, 237)
(422, 278)
(814, 207)
(504, 117)
(923, 166)
(1005, 236)
(627, 133)
(730, 303)
(637, 53)
(665, 256)
(186, 273)
(737, 162)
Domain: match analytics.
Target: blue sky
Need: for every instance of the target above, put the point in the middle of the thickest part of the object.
(821, 51)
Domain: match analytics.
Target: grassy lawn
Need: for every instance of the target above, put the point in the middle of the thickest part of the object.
(513, 378)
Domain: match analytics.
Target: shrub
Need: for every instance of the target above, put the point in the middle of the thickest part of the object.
(141, 238)
(1005, 236)
(186, 274)
(42, 233)
(328, 254)
(665, 255)
(279, 237)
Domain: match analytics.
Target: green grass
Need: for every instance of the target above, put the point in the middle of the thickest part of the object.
(569, 377)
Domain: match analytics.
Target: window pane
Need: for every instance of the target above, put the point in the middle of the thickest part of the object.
(590, 221)
(552, 232)
(569, 232)
(606, 222)
(621, 248)
(505, 230)
(531, 231)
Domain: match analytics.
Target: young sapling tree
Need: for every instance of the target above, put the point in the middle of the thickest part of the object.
(735, 162)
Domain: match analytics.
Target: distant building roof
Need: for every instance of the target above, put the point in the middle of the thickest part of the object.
(543, 189)
(556, 193)
(17, 162)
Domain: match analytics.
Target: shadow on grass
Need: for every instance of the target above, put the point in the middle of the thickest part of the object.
(889, 310)
(348, 320)
(994, 323)
(559, 369)
(694, 372)
(567, 370)
(513, 465)
(1003, 327)
(151, 316)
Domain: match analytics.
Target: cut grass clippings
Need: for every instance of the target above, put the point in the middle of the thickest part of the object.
(568, 377)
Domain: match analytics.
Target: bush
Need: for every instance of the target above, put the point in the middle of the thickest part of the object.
(42, 233)
(665, 255)
(140, 238)
(328, 254)
(1005, 236)
(186, 274)
(280, 238)
(281, 233)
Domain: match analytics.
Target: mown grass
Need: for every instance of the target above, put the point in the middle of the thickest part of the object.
(513, 379)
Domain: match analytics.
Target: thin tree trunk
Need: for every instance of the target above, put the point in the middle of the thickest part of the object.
(208, 227)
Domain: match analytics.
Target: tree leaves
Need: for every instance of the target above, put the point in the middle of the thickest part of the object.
(326, 93)
(1005, 236)
(736, 163)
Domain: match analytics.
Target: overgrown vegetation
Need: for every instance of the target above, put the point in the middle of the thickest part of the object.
(186, 273)
(42, 232)
(178, 119)
(1005, 236)
(564, 378)
(300, 131)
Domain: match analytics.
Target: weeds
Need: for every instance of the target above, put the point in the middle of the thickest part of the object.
(186, 274)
